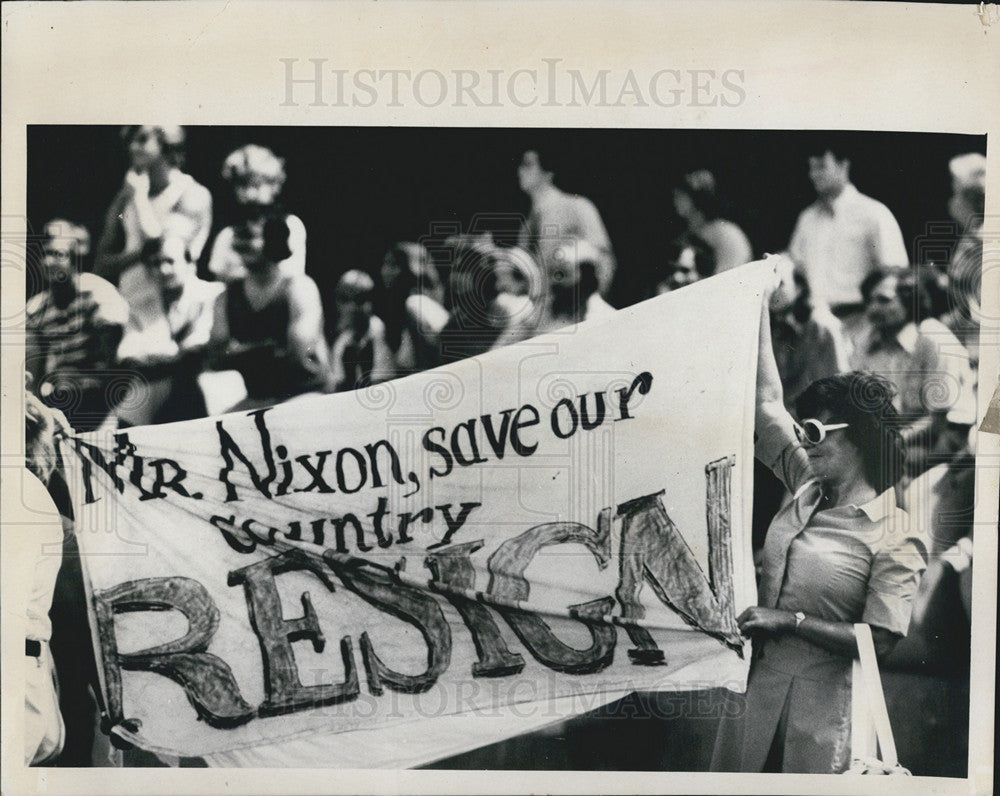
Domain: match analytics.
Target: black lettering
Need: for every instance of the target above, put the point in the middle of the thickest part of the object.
(412, 606)
(508, 585)
(227, 525)
(442, 451)
(643, 382)
(339, 523)
(384, 538)
(452, 571)
(406, 519)
(316, 472)
(228, 449)
(469, 426)
(585, 422)
(653, 550)
(160, 481)
(286, 471)
(574, 420)
(285, 692)
(295, 530)
(498, 441)
(515, 432)
(453, 524)
(362, 470)
(206, 679)
(394, 466)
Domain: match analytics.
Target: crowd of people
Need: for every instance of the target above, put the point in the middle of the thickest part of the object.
(169, 323)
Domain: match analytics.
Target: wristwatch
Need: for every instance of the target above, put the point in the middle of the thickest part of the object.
(799, 618)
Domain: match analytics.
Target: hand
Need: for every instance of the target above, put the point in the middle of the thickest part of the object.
(138, 182)
(758, 619)
(782, 273)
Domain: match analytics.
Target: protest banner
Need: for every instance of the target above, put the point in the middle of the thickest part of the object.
(569, 515)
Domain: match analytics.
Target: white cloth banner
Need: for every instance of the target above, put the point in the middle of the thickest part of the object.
(567, 517)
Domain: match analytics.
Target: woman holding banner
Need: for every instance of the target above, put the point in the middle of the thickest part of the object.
(838, 552)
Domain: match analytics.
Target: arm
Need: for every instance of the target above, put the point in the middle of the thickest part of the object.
(775, 445)
(835, 637)
(889, 248)
(196, 204)
(306, 343)
(110, 258)
(732, 249)
(296, 263)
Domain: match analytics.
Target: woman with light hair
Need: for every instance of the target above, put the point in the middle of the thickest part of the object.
(257, 177)
(154, 188)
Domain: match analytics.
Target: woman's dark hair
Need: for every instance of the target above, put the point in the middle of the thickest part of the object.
(912, 286)
(700, 186)
(865, 402)
(704, 257)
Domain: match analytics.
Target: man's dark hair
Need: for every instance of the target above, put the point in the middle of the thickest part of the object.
(865, 402)
(837, 145)
(704, 257)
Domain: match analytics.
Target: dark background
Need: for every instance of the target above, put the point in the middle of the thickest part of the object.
(359, 189)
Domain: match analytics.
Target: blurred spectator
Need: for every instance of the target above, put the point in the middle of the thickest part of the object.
(572, 296)
(687, 262)
(478, 318)
(842, 237)
(360, 354)
(170, 321)
(696, 202)
(928, 366)
(256, 176)
(44, 729)
(557, 218)
(409, 301)
(269, 326)
(74, 328)
(965, 269)
(807, 340)
(154, 188)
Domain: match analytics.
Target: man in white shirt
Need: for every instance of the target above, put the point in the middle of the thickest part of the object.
(170, 316)
(842, 237)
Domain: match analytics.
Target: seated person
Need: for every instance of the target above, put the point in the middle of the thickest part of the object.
(572, 295)
(269, 326)
(409, 301)
(154, 189)
(170, 320)
(73, 330)
(477, 320)
(700, 207)
(359, 356)
(256, 176)
(687, 262)
(925, 362)
(808, 344)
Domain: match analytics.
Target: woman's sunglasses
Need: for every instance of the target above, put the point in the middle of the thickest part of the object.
(812, 432)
